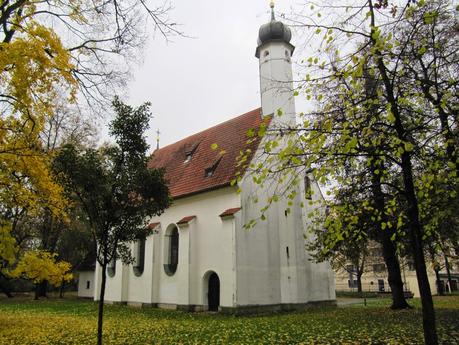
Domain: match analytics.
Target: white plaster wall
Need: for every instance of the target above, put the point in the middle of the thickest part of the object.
(266, 274)
(206, 244)
(83, 278)
(257, 254)
(97, 281)
(116, 288)
(320, 276)
(139, 288)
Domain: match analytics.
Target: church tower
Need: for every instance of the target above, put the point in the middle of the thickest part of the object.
(274, 52)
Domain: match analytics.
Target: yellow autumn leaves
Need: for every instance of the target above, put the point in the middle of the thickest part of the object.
(8, 248)
(75, 322)
(35, 69)
(34, 265)
(38, 266)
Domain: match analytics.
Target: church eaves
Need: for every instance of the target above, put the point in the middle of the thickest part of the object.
(187, 178)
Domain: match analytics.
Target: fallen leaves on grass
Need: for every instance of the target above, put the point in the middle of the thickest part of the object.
(74, 322)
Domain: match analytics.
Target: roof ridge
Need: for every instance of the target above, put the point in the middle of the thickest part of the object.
(204, 130)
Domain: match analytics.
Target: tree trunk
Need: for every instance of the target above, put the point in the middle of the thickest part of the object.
(37, 293)
(61, 289)
(41, 288)
(394, 274)
(101, 305)
(415, 229)
(417, 248)
(359, 282)
(428, 312)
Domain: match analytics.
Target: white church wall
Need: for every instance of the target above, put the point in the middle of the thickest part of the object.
(204, 245)
(143, 294)
(116, 286)
(321, 277)
(257, 250)
(86, 284)
(273, 264)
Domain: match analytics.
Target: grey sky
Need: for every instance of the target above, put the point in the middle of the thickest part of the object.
(199, 82)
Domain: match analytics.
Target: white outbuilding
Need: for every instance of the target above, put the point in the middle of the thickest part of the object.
(199, 255)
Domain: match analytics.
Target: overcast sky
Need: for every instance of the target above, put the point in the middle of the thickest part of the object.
(195, 83)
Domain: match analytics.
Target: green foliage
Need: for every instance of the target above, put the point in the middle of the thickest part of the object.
(72, 322)
(117, 190)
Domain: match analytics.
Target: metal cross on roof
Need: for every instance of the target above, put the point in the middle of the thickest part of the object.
(157, 138)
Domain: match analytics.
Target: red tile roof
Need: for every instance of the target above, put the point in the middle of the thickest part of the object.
(186, 220)
(152, 226)
(230, 212)
(185, 178)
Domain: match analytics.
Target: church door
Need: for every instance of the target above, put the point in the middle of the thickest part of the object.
(214, 292)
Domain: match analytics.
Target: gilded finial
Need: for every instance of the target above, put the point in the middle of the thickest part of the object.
(271, 4)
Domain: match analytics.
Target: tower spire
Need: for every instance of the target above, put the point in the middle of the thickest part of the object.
(271, 4)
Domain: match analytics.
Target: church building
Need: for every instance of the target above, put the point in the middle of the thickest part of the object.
(199, 255)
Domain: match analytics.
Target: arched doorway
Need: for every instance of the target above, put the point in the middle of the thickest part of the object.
(213, 293)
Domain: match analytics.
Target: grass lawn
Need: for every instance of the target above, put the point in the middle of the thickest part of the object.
(72, 321)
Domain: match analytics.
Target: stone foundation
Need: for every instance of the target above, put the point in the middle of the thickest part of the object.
(238, 310)
(275, 308)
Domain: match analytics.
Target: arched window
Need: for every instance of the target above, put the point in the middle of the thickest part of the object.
(111, 268)
(171, 250)
(139, 256)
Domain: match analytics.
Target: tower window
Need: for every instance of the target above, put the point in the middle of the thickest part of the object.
(88, 284)
(266, 53)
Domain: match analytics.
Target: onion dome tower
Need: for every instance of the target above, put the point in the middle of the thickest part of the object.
(274, 52)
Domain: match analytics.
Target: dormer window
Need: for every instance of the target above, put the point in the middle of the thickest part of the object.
(190, 152)
(211, 170)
